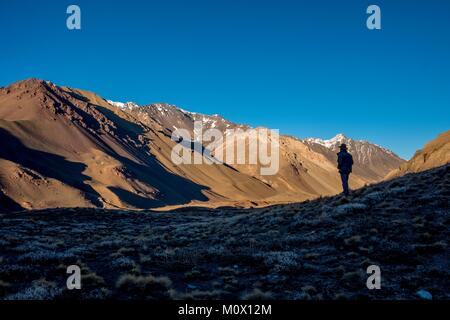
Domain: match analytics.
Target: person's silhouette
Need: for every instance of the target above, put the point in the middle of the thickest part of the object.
(345, 163)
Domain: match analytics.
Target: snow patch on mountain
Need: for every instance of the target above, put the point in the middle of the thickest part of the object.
(330, 143)
(123, 105)
(365, 150)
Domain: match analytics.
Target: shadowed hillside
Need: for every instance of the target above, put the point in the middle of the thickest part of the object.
(69, 148)
(434, 154)
(66, 147)
(314, 250)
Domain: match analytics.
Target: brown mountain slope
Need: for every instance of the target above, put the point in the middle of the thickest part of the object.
(59, 149)
(307, 168)
(303, 173)
(372, 162)
(65, 147)
(434, 154)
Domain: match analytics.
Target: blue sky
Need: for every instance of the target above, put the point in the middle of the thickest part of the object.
(308, 68)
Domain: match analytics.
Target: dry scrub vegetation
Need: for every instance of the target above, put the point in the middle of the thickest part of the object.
(314, 250)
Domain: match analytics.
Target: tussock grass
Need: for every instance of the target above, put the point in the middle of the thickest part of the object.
(314, 250)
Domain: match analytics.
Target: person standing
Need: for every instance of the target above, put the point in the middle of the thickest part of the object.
(345, 163)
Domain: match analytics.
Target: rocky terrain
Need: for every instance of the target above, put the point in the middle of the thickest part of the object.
(318, 249)
(70, 148)
(434, 154)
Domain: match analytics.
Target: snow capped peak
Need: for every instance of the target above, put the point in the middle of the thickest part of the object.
(162, 107)
(364, 149)
(339, 138)
(123, 105)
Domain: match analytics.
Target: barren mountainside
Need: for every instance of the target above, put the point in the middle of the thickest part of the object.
(64, 147)
(434, 154)
(370, 160)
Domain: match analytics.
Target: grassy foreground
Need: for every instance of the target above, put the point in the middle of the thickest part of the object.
(314, 250)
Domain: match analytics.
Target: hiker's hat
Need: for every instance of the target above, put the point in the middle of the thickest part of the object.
(343, 146)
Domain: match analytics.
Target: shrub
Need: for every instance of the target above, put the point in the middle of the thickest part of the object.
(144, 286)
(124, 263)
(45, 256)
(3, 288)
(352, 240)
(196, 295)
(309, 289)
(39, 290)
(92, 280)
(257, 294)
(283, 261)
(374, 197)
(351, 208)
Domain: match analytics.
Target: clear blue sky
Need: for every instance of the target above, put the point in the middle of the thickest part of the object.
(308, 68)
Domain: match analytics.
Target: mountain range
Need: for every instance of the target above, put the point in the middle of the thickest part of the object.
(65, 147)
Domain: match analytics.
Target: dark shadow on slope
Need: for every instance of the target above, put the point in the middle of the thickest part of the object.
(135, 200)
(132, 129)
(74, 94)
(172, 189)
(47, 165)
(60, 100)
(7, 204)
(195, 146)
